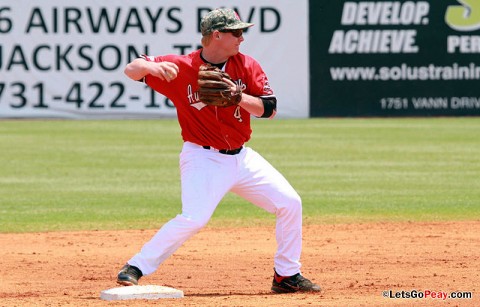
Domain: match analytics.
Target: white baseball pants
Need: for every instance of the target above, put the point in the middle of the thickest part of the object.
(206, 176)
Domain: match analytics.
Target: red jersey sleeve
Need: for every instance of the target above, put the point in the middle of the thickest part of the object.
(259, 81)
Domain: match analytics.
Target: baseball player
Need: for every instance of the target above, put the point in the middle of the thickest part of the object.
(214, 159)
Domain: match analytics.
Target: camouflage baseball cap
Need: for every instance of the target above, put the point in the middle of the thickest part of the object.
(222, 19)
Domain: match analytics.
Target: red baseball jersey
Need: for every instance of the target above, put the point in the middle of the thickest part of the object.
(219, 127)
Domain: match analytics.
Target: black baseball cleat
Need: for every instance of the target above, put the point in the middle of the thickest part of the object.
(129, 275)
(295, 283)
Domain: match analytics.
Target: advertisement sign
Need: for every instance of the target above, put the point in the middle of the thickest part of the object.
(395, 58)
(66, 59)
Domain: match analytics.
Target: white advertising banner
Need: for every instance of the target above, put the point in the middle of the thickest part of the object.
(65, 59)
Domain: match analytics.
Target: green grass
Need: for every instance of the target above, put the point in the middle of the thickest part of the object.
(72, 175)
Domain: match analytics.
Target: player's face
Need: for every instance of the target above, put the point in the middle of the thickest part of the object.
(231, 40)
(237, 33)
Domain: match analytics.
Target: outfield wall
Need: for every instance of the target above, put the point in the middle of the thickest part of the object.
(395, 58)
(65, 59)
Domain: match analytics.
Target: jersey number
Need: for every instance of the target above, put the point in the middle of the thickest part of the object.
(237, 114)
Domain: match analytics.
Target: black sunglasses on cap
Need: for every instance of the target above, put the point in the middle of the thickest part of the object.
(236, 33)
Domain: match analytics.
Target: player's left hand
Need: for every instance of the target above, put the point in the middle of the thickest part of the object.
(233, 86)
(216, 87)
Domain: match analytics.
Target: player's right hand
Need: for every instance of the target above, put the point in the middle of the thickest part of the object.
(164, 70)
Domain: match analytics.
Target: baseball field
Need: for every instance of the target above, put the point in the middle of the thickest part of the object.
(391, 213)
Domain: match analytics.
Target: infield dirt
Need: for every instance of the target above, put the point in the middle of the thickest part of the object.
(354, 264)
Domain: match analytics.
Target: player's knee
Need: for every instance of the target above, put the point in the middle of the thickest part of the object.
(291, 205)
(294, 201)
(198, 224)
(195, 223)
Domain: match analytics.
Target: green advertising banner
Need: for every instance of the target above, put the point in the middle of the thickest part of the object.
(395, 58)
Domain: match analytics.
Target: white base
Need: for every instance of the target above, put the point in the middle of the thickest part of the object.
(140, 292)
